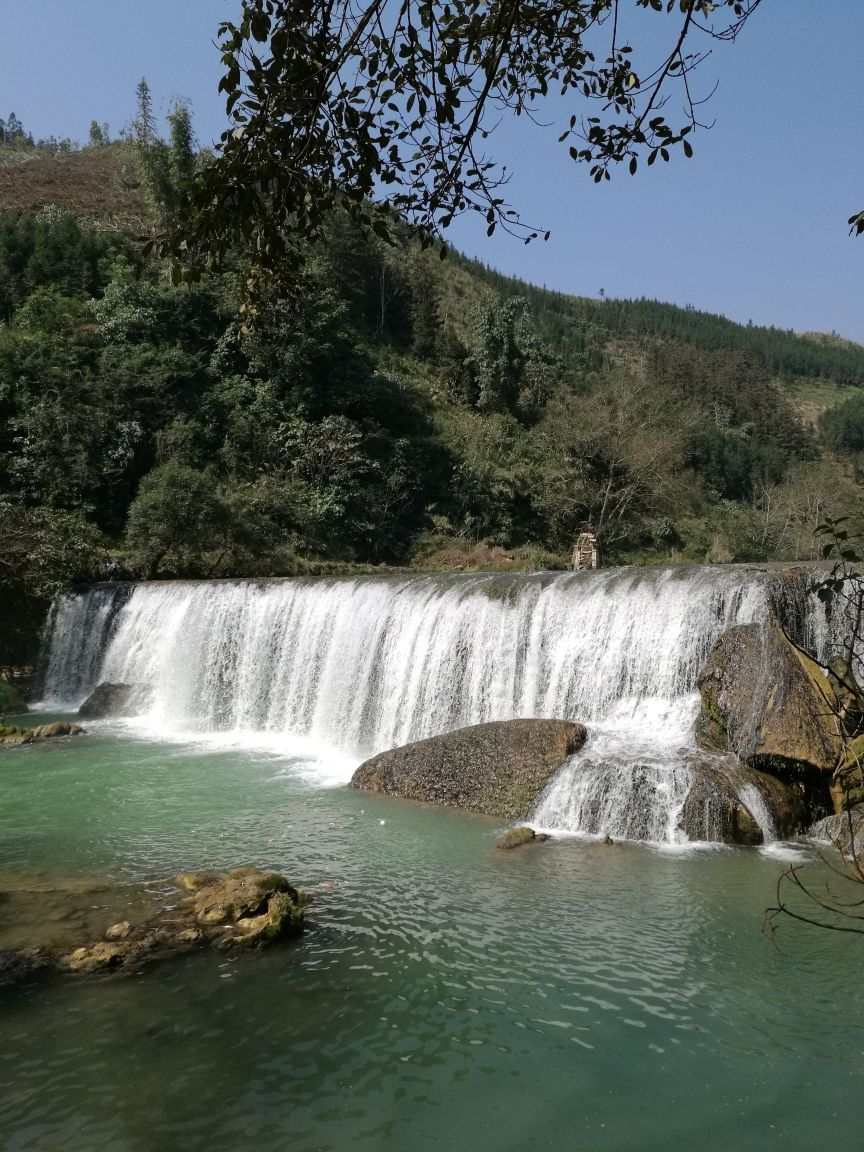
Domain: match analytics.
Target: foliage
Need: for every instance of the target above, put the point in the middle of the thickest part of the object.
(565, 321)
(51, 249)
(167, 167)
(842, 427)
(177, 516)
(41, 551)
(339, 103)
(393, 409)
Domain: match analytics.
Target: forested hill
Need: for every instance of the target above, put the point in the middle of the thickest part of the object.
(399, 410)
(785, 353)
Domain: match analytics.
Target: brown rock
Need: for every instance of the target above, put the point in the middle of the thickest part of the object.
(499, 769)
(769, 703)
(95, 958)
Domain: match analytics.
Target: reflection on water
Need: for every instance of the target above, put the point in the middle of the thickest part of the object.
(446, 994)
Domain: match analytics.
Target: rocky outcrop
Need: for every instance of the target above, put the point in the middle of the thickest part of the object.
(56, 728)
(768, 702)
(247, 908)
(845, 830)
(498, 769)
(729, 803)
(19, 736)
(115, 700)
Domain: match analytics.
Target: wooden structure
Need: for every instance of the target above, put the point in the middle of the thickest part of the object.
(586, 552)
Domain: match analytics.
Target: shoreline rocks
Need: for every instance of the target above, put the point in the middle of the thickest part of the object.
(497, 769)
(247, 908)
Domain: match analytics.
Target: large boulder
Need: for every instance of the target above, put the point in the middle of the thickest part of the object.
(114, 700)
(498, 769)
(768, 702)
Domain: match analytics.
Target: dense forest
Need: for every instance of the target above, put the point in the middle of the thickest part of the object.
(393, 408)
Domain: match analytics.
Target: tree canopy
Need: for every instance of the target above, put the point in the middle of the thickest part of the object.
(392, 103)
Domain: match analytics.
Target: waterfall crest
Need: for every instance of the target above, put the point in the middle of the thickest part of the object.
(363, 664)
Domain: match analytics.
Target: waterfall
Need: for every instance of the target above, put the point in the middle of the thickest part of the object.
(367, 663)
(754, 801)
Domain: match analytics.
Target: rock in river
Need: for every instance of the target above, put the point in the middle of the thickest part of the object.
(498, 769)
(115, 700)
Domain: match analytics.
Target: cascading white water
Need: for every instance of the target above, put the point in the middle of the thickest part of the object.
(364, 664)
(754, 801)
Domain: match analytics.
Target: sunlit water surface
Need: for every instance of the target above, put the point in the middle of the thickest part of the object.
(446, 995)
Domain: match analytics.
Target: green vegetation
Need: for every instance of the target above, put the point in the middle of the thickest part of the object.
(11, 700)
(391, 409)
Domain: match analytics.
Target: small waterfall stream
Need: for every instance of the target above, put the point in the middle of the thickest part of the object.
(358, 665)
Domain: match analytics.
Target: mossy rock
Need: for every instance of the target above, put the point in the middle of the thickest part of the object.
(516, 837)
(10, 734)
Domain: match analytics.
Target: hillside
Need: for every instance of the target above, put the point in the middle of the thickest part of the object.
(99, 185)
(399, 410)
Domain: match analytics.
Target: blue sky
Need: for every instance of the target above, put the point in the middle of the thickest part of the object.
(754, 226)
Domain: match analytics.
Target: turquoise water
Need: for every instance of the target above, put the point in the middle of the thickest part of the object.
(445, 995)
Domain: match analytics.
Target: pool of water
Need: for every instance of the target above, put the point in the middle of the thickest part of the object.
(445, 995)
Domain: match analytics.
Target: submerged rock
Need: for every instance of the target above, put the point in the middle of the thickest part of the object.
(768, 702)
(115, 700)
(498, 769)
(247, 908)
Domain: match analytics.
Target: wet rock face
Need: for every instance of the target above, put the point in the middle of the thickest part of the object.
(247, 908)
(714, 809)
(115, 700)
(498, 769)
(769, 703)
(845, 830)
